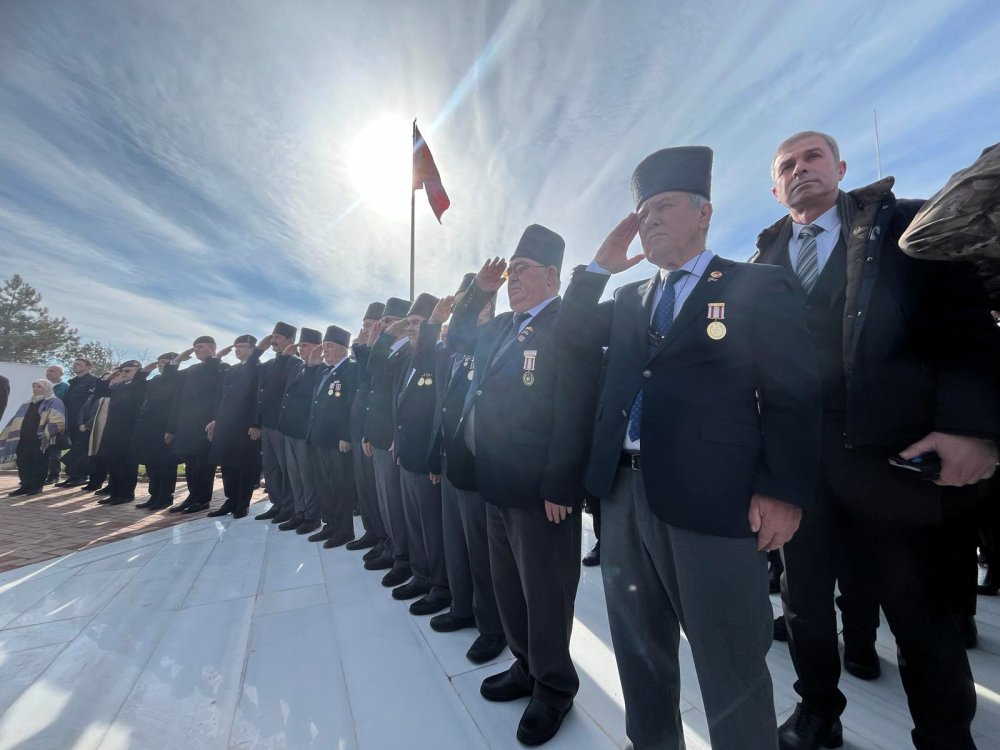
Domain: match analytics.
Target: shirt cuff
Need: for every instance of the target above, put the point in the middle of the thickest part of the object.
(596, 267)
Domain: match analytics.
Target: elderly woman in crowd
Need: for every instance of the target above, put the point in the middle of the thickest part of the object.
(32, 434)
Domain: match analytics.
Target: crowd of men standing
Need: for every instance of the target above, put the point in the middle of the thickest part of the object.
(835, 399)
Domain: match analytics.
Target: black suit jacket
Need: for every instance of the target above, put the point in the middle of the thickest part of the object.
(416, 403)
(231, 443)
(384, 366)
(721, 419)
(330, 419)
(453, 373)
(195, 406)
(154, 415)
(123, 409)
(920, 350)
(527, 448)
(297, 401)
(359, 405)
(272, 377)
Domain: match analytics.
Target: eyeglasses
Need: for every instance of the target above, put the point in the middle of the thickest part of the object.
(516, 269)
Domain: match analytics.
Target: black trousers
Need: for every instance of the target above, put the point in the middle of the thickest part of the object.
(32, 466)
(77, 461)
(536, 571)
(199, 475)
(332, 475)
(55, 467)
(905, 563)
(162, 481)
(238, 482)
(123, 475)
(367, 495)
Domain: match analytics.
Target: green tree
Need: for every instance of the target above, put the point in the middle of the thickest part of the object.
(103, 357)
(28, 333)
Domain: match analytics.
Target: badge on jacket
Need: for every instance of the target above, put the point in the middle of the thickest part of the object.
(716, 314)
(334, 389)
(528, 378)
(426, 379)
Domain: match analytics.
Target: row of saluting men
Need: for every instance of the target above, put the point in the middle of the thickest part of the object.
(721, 410)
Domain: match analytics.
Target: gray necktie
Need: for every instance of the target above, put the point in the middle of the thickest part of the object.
(807, 267)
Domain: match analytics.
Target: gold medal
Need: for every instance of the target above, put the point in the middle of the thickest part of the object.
(716, 330)
(428, 380)
(528, 378)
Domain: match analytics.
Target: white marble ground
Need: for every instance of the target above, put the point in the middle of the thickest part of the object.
(231, 634)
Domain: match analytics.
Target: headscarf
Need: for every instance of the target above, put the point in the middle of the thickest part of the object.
(47, 391)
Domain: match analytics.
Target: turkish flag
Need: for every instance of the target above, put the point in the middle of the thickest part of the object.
(425, 175)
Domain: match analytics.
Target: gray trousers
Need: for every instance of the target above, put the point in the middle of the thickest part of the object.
(332, 479)
(272, 445)
(367, 494)
(467, 556)
(660, 578)
(536, 571)
(390, 503)
(300, 478)
(422, 507)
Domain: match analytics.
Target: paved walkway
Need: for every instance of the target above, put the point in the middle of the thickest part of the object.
(223, 633)
(60, 521)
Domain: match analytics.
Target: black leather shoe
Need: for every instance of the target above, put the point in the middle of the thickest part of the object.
(410, 590)
(448, 623)
(861, 660)
(120, 500)
(292, 523)
(363, 542)
(430, 604)
(337, 541)
(486, 648)
(104, 500)
(268, 514)
(223, 510)
(371, 554)
(18, 492)
(503, 687)
(380, 563)
(308, 526)
(89, 487)
(322, 535)
(970, 633)
(148, 503)
(780, 629)
(196, 508)
(241, 513)
(395, 576)
(284, 515)
(540, 722)
(160, 505)
(182, 508)
(593, 558)
(807, 730)
(74, 483)
(103, 491)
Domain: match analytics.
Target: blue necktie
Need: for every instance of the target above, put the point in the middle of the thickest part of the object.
(663, 318)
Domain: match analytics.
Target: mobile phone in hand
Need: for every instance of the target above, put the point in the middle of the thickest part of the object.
(927, 465)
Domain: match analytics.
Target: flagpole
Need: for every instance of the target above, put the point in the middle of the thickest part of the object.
(413, 203)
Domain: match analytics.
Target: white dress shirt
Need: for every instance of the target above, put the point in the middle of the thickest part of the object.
(825, 240)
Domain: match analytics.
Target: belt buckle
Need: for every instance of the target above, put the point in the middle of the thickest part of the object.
(634, 462)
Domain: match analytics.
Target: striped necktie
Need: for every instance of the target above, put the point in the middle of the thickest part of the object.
(807, 267)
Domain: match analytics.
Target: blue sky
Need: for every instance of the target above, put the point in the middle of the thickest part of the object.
(169, 169)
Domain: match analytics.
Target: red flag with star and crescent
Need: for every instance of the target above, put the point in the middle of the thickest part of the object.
(426, 176)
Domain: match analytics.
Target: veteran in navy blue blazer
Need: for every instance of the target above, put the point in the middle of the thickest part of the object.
(530, 450)
(705, 451)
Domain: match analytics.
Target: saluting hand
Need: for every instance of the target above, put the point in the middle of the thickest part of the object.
(773, 521)
(442, 310)
(290, 350)
(183, 356)
(490, 277)
(557, 513)
(315, 356)
(265, 343)
(397, 328)
(612, 255)
(150, 367)
(224, 351)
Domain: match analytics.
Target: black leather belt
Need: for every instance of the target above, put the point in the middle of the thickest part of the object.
(632, 460)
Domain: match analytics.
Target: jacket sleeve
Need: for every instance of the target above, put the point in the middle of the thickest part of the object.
(788, 392)
(175, 407)
(379, 354)
(582, 328)
(463, 332)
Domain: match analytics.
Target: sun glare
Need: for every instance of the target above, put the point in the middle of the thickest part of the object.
(379, 162)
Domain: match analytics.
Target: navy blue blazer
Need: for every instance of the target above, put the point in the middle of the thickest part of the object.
(330, 417)
(721, 418)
